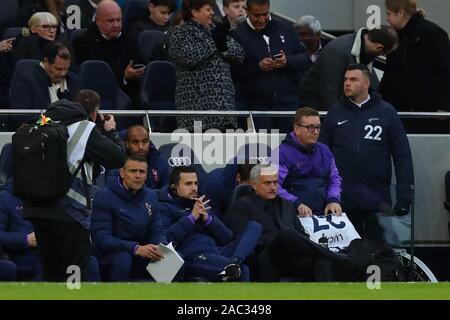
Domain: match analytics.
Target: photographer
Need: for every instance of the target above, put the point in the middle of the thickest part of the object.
(62, 227)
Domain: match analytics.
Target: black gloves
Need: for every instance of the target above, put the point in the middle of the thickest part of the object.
(220, 33)
(401, 208)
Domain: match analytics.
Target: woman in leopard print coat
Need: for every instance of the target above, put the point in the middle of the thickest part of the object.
(203, 67)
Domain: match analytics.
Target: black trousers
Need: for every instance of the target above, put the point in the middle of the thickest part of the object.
(291, 254)
(367, 225)
(61, 244)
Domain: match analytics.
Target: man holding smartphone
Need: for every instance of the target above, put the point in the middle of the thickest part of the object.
(274, 62)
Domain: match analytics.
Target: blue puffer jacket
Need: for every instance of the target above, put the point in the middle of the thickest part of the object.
(13, 227)
(157, 172)
(188, 237)
(364, 142)
(121, 219)
(307, 175)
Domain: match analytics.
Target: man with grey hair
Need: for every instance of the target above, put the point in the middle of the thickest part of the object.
(284, 249)
(309, 30)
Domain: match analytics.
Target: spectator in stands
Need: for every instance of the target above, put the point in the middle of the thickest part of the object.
(284, 249)
(17, 236)
(203, 62)
(83, 16)
(307, 173)
(62, 227)
(323, 84)
(309, 30)
(274, 59)
(161, 50)
(126, 223)
(210, 250)
(365, 135)
(137, 142)
(417, 74)
(41, 31)
(44, 83)
(105, 41)
(235, 12)
(56, 7)
(158, 18)
(8, 270)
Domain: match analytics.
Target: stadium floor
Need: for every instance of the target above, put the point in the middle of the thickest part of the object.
(225, 291)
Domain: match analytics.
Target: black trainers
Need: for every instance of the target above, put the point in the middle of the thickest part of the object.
(231, 272)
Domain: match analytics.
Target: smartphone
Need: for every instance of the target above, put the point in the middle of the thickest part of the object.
(138, 65)
(277, 56)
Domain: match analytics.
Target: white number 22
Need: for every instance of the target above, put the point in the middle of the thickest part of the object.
(377, 130)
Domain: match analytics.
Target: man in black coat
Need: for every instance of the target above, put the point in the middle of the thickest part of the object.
(284, 249)
(105, 41)
(44, 83)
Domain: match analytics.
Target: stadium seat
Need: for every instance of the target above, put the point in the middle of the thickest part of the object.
(97, 75)
(5, 164)
(12, 32)
(75, 33)
(177, 154)
(134, 9)
(240, 191)
(158, 93)
(147, 40)
(8, 12)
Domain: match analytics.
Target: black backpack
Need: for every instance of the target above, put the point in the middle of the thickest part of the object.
(40, 168)
(364, 253)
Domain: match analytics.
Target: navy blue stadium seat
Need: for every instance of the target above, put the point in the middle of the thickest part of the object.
(134, 9)
(75, 33)
(8, 12)
(98, 76)
(158, 93)
(177, 154)
(240, 191)
(12, 32)
(147, 40)
(5, 163)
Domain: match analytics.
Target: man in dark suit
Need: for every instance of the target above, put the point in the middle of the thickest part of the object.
(284, 249)
(44, 83)
(105, 41)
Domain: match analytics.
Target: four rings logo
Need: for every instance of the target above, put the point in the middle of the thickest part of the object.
(262, 160)
(179, 161)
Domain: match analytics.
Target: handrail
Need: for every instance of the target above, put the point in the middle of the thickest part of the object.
(218, 113)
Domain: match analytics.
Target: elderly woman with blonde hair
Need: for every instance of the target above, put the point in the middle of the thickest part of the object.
(42, 29)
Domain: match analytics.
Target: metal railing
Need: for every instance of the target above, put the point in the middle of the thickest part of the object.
(249, 114)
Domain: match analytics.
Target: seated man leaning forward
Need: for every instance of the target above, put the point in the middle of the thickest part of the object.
(126, 225)
(211, 250)
(308, 176)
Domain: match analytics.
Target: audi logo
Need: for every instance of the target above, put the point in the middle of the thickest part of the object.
(262, 160)
(179, 161)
